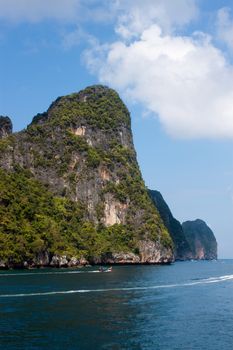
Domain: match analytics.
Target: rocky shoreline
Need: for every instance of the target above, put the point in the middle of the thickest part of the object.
(63, 261)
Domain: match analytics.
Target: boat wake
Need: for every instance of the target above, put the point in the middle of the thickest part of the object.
(207, 281)
(48, 273)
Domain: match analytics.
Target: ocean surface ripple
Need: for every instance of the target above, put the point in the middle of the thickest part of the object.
(184, 306)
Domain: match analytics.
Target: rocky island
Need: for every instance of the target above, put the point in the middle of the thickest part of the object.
(193, 240)
(182, 250)
(71, 190)
(201, 240)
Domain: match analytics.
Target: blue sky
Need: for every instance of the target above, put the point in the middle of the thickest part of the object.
(172, 64)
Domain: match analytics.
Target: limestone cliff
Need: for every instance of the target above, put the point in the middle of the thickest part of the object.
(5, 127)
(78, 191)
(181, 245)
(201, 240)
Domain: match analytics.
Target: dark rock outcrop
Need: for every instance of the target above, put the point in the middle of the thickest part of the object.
(201, 240)
(5, 127)
(181, 245)
(79, 160)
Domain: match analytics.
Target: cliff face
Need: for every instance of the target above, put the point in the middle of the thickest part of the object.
(79, 160)
(201, 239)
(5, 127)
(181, 245)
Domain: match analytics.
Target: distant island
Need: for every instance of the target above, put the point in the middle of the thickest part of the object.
(71, 192)
(193, 240)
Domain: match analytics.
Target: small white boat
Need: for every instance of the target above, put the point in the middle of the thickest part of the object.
(102, 269)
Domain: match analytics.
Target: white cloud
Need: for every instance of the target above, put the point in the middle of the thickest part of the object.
(60, 10)
(76, 37)
(134, 16)
(73, 38)
(133, 13)
(185, 81)
(225, 27)
(37, 10)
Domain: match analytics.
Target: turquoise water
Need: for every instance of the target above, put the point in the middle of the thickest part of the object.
(187, 305)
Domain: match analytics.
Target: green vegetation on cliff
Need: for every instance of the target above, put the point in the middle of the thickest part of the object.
(182, 248)
(71, 184)
(201, 239)
(33, 220)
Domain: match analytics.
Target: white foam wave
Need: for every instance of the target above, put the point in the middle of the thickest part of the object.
(47, 273)
(101, 290)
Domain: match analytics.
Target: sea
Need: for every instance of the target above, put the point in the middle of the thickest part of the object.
(182, 306)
